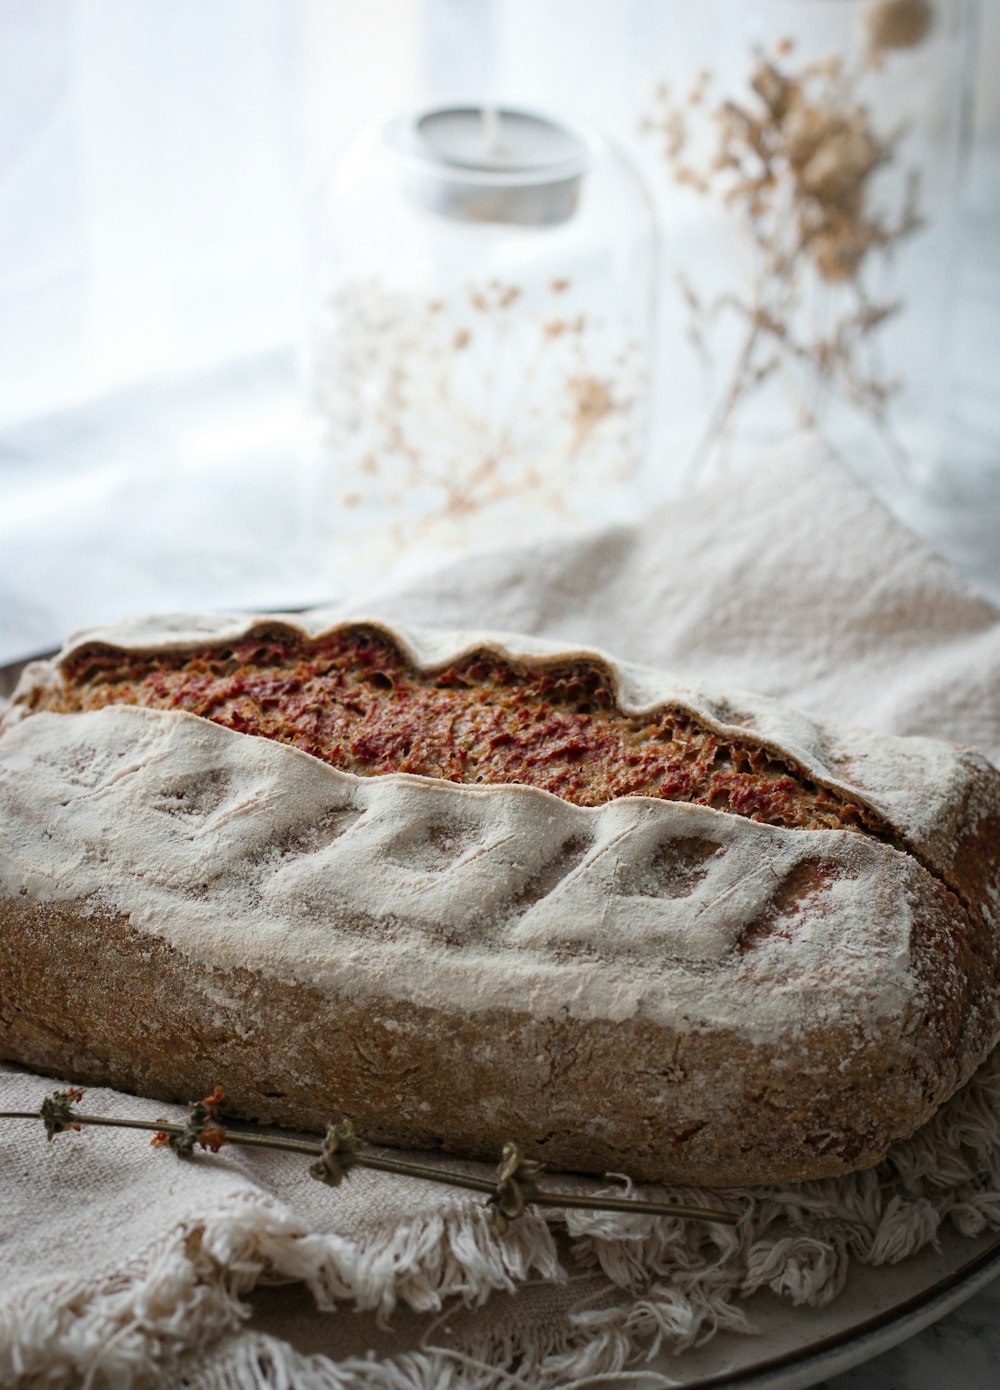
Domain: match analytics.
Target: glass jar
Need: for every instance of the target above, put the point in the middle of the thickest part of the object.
(482, 314)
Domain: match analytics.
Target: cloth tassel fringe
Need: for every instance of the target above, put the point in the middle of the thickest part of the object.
(653, 1281)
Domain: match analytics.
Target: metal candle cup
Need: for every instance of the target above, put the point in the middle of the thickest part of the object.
(491, 164)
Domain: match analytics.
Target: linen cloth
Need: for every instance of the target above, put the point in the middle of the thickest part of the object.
(122, 1265)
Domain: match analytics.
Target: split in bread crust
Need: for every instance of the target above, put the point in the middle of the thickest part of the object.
(354, 700)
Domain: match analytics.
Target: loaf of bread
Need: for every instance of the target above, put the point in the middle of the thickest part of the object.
(468, 887)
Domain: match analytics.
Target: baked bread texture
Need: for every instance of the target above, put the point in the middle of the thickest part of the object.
(470, 887)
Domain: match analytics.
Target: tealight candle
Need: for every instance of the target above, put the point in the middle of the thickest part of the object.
(491, 164)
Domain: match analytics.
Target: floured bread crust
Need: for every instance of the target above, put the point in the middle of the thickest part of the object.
(649, 986)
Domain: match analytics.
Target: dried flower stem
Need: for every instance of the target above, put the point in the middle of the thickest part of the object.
(513, 1167)
(442, 410)
(794, 166)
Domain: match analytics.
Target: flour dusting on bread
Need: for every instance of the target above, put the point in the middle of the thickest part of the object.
(647, 984)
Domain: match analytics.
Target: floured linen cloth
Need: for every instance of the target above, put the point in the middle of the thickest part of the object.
(121, 1265)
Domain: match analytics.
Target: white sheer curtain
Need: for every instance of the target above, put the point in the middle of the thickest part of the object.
(155, 160)
(156, 155)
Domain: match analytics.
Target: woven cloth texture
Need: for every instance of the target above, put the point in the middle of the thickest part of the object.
(122, 1265)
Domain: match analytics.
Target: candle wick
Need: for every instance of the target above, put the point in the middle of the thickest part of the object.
(492, 135)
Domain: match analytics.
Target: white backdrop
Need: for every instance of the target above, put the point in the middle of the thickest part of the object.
(157, 159)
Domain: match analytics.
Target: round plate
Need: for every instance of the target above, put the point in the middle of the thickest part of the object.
(879, 1308)
(792, 1348)
(10, 674)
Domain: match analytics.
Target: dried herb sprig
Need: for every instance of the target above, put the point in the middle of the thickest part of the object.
(515, 1188)
(203, 1127)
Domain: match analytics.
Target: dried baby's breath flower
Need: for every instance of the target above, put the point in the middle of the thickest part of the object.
(592, 401)
(455, 406)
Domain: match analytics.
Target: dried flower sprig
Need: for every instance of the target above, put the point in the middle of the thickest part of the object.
(340, 1153)
(794, 164)
(441, 409)
(515, 1188)
(57, 1111)
(203, 1127)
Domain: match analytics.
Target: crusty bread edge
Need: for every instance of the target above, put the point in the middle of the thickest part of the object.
(85, 995)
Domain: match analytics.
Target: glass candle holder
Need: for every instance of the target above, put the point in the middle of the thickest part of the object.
(482, 328)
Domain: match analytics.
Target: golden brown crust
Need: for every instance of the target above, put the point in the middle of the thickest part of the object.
(88, 997)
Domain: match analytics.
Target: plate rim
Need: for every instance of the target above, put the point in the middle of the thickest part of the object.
(947, 1293)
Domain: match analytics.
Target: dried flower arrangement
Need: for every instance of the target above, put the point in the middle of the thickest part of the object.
(794, 167)
(435, 408)
(515, 1188)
